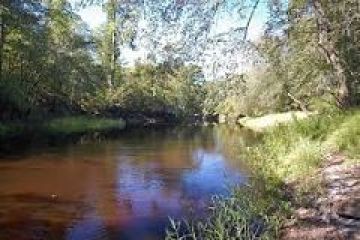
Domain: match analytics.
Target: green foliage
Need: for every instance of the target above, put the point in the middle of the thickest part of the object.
(308, 61)
(14, 94)
(49, 67)
(45, 64)
(296, 71)
(319, 50)
(155, 89)
(226, 97)
(51, 63)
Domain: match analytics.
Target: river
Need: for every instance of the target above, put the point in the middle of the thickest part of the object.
(123, 187)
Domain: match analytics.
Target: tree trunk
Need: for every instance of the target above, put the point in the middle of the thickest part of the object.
(112, 58)
(113, 50)
(2, 38)
(328, 48)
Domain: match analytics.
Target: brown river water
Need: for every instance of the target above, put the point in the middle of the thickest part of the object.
(122, 188)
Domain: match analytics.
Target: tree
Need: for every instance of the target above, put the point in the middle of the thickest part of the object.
(331, 29)
(111, 35)
(46, 60)
(338, 23)
(3, 8)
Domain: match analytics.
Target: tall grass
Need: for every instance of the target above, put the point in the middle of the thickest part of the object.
(346, 138)
(296, 150)
(237, 217)
(288, 155)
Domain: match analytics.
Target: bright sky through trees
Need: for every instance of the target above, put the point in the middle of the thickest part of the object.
(94, 16)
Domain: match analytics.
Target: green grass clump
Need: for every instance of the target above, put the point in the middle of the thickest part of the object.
(287, 153)
(81, 124)
(295, 150)
(242, 216)
(346, 138)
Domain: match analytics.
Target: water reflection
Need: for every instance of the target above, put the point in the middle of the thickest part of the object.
(123, 188)
(212, 169)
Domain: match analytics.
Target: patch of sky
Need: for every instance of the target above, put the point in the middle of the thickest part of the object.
(220, 58)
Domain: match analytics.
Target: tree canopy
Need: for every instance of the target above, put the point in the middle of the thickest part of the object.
(52, 63)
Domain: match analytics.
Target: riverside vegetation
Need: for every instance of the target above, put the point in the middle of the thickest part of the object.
(288, 155)
(59, 77)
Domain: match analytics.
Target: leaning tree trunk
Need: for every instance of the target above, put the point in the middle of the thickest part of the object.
(327, 45)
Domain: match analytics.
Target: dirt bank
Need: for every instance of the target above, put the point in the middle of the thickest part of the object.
(336, 214)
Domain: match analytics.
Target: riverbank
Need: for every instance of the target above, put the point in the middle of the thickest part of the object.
(285, 166)
(260, 124)
(294, 161)
(61, 126)
(336, 213)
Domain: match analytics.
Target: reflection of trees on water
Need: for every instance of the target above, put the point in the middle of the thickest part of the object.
(135, 181)
(232, 142)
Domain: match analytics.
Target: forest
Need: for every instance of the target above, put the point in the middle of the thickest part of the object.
(52, 64)
(199, 62)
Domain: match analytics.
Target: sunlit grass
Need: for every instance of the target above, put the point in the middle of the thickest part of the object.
(346, 138)
(260, 124)
(297, 149)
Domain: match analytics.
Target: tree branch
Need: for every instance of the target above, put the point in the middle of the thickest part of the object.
(250, 19)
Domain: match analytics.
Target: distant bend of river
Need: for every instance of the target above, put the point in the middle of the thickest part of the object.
(117, 188)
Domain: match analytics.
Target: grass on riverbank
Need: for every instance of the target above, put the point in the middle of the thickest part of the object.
(260, 124)
(61, 126)
(81, 124)
(296, 150)
(8, 130)
(288, 155)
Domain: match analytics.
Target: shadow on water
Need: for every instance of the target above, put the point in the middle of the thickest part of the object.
(118, 185)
